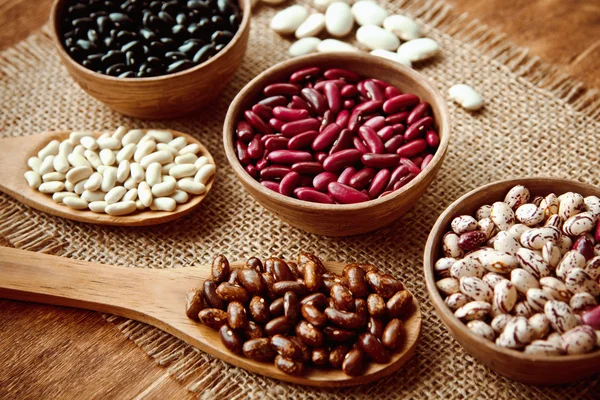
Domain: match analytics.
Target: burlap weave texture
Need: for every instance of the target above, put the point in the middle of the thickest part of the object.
(535, 122)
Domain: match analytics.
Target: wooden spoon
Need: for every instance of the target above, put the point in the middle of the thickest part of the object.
(158, 297)
(14, 153)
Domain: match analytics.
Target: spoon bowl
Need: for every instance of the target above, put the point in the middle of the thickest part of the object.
(158, 297)
(14, 153)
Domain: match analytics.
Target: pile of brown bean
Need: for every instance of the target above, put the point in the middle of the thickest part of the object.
(297, 314)
(335, 137)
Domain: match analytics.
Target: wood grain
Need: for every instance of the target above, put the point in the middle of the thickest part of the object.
(340, 219)
(529, 369)
(140, 294)
(15, 151)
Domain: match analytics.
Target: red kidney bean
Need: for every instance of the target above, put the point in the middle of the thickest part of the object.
(403, 181)
(373, 90)
(289, 156)
(412, 167)
(386, 133)
(289, 114)
(304, 74)
(398, 103)
(256, 148)
(283, 89)
(338, 82)
(298, 103)
(399, 172)
(345, 194)
(426, 161)
(371, 139)
(369, 106)
(362, 178)
(276, 143)
(379, 183)
(412, 148)
(343, 141)
(339, 73)
(332, 94)
(380, 160)
(328, 119)
(359, 145)
(265, 112)
(396, 118)
(399, 129)
(381, 83)
(392, 91)
(257, 123)
(241, 150)
(321, 181)
(417, 160)
(342, 118)
(415, 130)
(290, 129)
(274, 172)
(252, 171)
(302, 140)
(341, 159)
(346, 175)
(393, 144)
(348, 104)
(417, 113)
(377, 122)
(262, 164)
(327, 137)
(276, 124)
(361, 87)
(432, 139)
(289, 183)
(244, 131)
(320, 156)
(308, 168)
(314, 99)
(274, 101)
(348, 91)
(313, 195)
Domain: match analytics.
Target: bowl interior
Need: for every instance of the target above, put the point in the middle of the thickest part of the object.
(468, 204)
(368, 66)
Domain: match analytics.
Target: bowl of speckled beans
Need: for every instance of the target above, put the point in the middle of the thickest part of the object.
(152, 59)
(513, 269)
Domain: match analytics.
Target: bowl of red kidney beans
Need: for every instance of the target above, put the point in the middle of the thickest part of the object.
(152, 59)
(337, 144)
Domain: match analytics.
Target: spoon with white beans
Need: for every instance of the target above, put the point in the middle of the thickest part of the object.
(126, 177)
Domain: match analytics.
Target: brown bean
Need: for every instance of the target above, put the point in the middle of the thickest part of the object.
(220, 268)
(303, 257)
(253, 331)
(259, 310)
(349, 320)
(276, 307)
(354, 362)
(291, 306)
(313, 315)
(373, 347)
(270, 262)
(319, 300)
(269, 282)
(313, 278)
(393, 282)
(338, 335)
(355, 276)
(251, 280)
(194, 303)
(393, 334)
(337, 355)
(237, 318)
(279, 325)
(288, 366)
(259, 349)
(287, 348)
(233, 277)
(229, 292)
(306, 352)
(282, 272)
(213, 317)
(210, 294)
(368, 268)
(380, 285)
(342, 297)
(231, 339)
(376, 327)
(309, 334)
(294, 268)
(400, 304)
(255, 263)
(320, 356)
(279, 288)
(376, 305)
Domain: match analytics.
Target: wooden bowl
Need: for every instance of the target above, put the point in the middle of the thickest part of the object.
(166, 96)
(338, 219)
(537, 370)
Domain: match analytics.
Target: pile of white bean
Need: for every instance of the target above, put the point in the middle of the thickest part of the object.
(120, 172)
(526, 274)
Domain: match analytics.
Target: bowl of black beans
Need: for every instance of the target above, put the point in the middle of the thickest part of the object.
(152, 59)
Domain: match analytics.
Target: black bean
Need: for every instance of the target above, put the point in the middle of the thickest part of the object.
(181, 18)
(93, 37)
(147, 34)
(170, 43)
(127, 74)
(180, 32)
(134, 46)
(166, 17)
(171, 7)
(113, 57)
(104, 24)
(219, 47)
(218, 22)
(179, 66)
(175, 56)
(78, 10)
(204, 53)
(130, 59)
(84, 23)
(221, 37)
(116, 69)
(157, 49)
(189, 48)
(120, 18)
(155, 6)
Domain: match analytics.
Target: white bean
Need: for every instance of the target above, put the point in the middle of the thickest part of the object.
(51, 187)
(204, 173)
(166, 147)
(190, 186)
(75, 203)
(202, 160)
(137, 172)
(130, 183)
(189, 158)
(368, 13)
(304, 46)
(403, 27)
(419, 49)
(167, 167)
(133, 136)
(178, 143)
(153, 174)
(139, 205)
(109, 143)
(92, 158)
(89, 142)
(160, 136)
(161, 156)
(97, 206)
(60, 163)
(119, 133)
(183, 171)
(338, 19)
(34, 180)
(333, 45)
(115, 194)
(164, 188)
(34, 163)
(107, 157)
(180, 196)
(126, 152)
(75, 137)
(312, 26)
(289, 19)
(53, 176)
(60, 196)
(51, 149)
(94, 182)
(79, 187)
(78, 160)
(89, 195)
(466, 97)
(145, 194)
(109, 179)
(390, 55)
(79, 173)
(47, 165)
(120, 208)
(69, 186)
(375, 37)
(190, 148)
(143, 149)
(65, 148)
(131, 195)
(163, 204)
(123, 171)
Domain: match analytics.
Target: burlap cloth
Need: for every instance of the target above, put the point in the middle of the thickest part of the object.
(536, 121)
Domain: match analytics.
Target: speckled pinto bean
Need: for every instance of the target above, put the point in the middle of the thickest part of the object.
(336, 120)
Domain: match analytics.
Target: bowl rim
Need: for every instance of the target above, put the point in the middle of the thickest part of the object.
(450, 321)
(443, 122)
(54, 26)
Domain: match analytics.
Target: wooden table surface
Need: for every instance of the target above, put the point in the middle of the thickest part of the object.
(54, 352)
